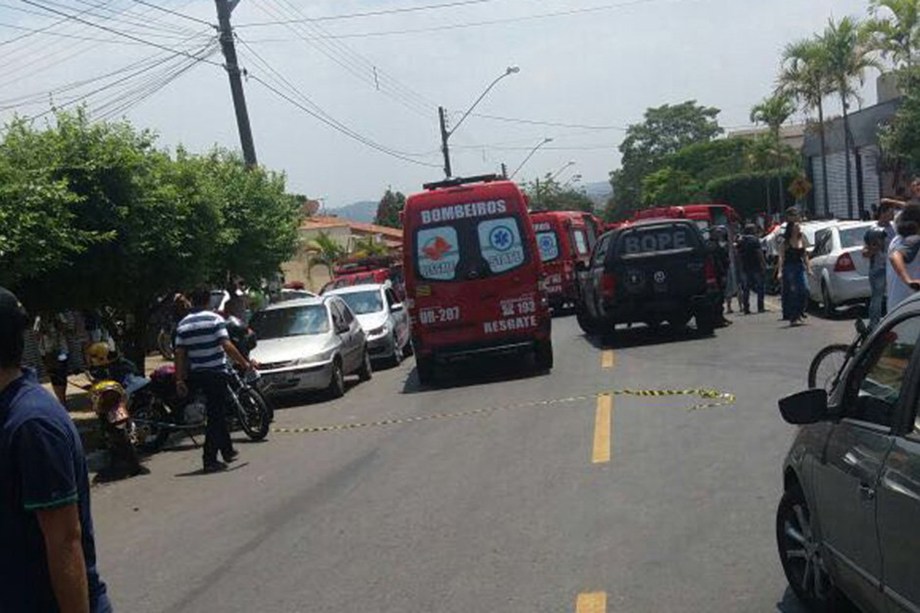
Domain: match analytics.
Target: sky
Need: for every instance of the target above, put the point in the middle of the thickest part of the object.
(594, 65)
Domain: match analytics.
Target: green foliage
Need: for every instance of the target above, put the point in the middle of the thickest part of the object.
(902, 139)
(848, 52)
(804, 74)
(547, 194)
(894, 30)
(324, 251)
(774, 111)
(93, 215)
(747, 192)
(705, 161)
(670, 187)
(368, 246)
(389, 208)
(664, 131)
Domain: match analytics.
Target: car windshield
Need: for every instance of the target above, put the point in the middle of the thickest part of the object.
(363, 302)
(852, 237)
(290, 321)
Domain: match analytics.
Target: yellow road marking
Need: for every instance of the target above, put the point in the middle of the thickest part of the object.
(603, 425)
(607, 358)
(591, 602)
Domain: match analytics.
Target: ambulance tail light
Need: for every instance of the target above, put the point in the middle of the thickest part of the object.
(844, 263)
(608, 286)
(710, 271)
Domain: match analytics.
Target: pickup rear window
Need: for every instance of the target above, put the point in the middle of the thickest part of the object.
(485, 247)
(655, 239)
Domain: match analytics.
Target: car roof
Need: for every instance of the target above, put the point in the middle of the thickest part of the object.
(353, 289)
(310, 301)
(657, 221)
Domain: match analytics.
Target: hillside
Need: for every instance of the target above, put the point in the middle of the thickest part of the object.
(363, 211)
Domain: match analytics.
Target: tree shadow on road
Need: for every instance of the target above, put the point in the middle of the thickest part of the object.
(641, 335)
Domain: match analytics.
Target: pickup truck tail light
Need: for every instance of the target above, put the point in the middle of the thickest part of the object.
(712, 280)
(608, 286)
(844, 263)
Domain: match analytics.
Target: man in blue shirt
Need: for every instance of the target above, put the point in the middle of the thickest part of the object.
(202, 347)
(47, 551)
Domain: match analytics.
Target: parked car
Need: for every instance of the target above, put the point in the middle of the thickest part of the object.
(839, 270)
(473, 274)
(383, 318)
(294, 294)
(847, 521)
(309, 344)
(649, 272)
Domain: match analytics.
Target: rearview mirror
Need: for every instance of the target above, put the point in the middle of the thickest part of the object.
(808, 407)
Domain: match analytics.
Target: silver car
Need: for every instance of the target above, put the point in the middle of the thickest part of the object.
(309, 344)
(839, 270)
(849, 519)
(383, 318)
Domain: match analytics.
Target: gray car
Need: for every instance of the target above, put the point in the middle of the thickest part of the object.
(309, 344)
(849, 519)
(383, 318)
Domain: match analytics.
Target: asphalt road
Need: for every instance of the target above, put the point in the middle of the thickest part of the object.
(557, 501)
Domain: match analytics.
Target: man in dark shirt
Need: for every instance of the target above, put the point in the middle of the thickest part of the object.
(47, 551)
(753, 269)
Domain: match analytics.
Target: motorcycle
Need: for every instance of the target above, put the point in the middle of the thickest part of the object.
(164, 411)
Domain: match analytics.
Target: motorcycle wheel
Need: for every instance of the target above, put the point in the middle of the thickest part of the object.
(253, 414)
(150, 437)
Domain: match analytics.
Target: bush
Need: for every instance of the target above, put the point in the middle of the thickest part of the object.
(747, 192)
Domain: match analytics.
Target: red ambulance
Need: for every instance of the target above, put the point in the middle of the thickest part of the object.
(564, 238)
(473, 274)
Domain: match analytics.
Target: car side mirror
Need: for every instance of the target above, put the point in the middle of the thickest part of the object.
(398, 307)
(861, 328)
(808, 407)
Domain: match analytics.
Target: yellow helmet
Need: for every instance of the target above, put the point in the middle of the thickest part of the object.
(98, 354)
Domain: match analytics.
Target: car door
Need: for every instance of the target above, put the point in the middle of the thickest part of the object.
(344, 331)
(354, 336)
(398, 316)
(592, 282)
(847, 478)
(898, 515)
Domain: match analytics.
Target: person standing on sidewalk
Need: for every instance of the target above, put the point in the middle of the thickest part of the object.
(904, 270)
(202, 347)
(877, 240)
(48, 559)
(753, 269)
(54, 347)
(793, 264)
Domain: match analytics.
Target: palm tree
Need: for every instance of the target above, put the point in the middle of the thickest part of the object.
(896, 36)
(323, 251)
(849, 55)
(368, 246)
(774, 111)
(804, 78)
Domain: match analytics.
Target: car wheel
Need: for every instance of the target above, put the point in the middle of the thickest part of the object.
(424, 367)
(827, 304)
(365, 372)
(800, 553)
(587, 323)
(336, 387)
(407, 348)
(397, 358)
(543, 353)
(706, 321)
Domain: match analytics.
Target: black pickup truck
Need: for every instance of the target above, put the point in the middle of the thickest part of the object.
(650, 272)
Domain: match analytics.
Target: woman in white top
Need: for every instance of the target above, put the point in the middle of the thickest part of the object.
(904, 273)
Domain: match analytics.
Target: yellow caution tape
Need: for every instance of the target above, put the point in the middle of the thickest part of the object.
(716, 398)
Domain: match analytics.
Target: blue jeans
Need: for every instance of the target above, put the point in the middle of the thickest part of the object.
(795, 290)
(752, 281)
(878, 283)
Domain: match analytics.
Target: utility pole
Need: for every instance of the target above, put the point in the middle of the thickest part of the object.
(442, 116)
(504, 170)
(224, 9)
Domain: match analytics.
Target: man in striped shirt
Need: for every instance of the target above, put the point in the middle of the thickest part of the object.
(202, 347)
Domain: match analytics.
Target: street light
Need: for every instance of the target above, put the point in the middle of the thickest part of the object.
(530, 155)
(561, 170)
(442, 116)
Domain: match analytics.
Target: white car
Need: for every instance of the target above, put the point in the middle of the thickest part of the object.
(839, 270)
(383, 317)
(309, 344)
(809, 229)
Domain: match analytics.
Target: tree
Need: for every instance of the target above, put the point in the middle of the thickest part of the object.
(805, 77)
(902, 139)
(774, 111)
(894, 31)
(389, 208)
(324, 251)
(368, 246)
(547, 194)
(665, 130)
(670, 187)
(849, 55)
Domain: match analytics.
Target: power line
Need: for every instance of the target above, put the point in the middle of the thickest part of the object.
(176, 13)
(555, 124)
(65, 35)
(475, 24)
(395, 11)
(114, 31)
(123, 17)
(44, 29)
